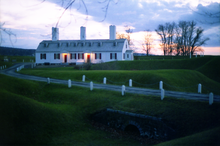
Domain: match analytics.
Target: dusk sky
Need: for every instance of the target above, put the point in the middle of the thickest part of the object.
(32, 20)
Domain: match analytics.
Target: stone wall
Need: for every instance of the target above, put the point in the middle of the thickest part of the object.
(148, 126)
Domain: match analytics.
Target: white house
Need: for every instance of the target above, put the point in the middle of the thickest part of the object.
(57, 51)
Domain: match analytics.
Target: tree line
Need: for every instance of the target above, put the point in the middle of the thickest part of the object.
(181, 39)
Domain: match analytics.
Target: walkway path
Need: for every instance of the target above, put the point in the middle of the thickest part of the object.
(192, 96)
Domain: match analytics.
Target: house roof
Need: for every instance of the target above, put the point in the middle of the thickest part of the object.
(86, 46)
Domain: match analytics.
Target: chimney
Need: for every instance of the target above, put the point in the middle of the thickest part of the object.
(82, 33)
(55, 34)
(112, 32)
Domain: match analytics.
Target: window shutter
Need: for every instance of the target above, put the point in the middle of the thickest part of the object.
(54, 56)
(40, 56)
(95, 55)
(78, 56)
(71, 56)
(59, 56)
(45, 56)
(110, 55)
(115, 55)
(75, 56)
(100, 56)
(82, 55)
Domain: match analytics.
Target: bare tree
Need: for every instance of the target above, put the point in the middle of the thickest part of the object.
(6, 31)
(191, 37)
(120, 35)
(68, 5)
(129, 31)
(147, 42)
(126, 35)
(181, 39)
(162, 31)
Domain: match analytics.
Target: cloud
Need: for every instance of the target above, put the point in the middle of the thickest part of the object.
(32, 20)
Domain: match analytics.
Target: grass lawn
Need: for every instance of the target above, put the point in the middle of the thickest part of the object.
(174, 80)
(34, 113)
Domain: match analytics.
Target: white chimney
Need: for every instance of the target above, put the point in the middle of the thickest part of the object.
(55, 34)
(82, 33)
(112, 32)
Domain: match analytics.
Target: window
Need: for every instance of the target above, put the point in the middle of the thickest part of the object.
(123, 55)
(80, 55)
(46, 44)
(98, 56)
(100, 44)
(43, 56)
(57, 56)
(73, 56)
(127, 55)
(113, 55)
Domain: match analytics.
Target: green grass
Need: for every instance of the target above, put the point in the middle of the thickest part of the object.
(175, 80)
(207, 65)
(35, 113)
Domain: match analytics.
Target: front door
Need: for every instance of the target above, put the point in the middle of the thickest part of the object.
(88, 58)
(65, 58)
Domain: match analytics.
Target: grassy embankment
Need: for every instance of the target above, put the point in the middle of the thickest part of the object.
(34, 113)
(177, 75)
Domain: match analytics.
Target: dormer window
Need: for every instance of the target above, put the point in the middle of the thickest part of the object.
(59, 44)
(46, 44)
(100, 44)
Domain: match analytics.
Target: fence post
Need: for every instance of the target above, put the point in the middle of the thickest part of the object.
(5, 66)
(123, 90)
(91, 85)
(161, 85)
(17, 69)
(162, 94)
(69, 83)
(130, 83)
(1, 68)
(83, 78)
(199, 88)
(190, 55)
(23, 60)
(48, 80)
(104, 80)
(196, 55)
(211, 98)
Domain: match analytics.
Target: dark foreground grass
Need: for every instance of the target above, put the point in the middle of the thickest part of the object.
(174, 80)
(34, 113)
(206, 138)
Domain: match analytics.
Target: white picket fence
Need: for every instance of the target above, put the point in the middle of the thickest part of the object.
(123, 88)
(3, 67)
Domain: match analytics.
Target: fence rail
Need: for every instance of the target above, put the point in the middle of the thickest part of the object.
(161, 92)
